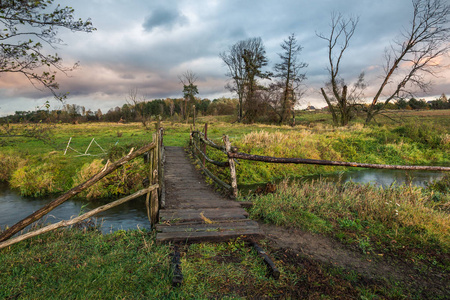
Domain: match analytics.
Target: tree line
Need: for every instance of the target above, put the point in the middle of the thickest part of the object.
(143, 111)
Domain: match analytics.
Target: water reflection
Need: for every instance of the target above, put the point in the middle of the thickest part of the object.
(386, 178)
(381, 177)
(14, 208)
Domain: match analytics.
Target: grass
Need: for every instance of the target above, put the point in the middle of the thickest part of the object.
(84, 264)
(428, 143)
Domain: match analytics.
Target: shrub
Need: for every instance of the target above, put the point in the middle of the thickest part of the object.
(9, 163)
(34, 181)
(124, 180)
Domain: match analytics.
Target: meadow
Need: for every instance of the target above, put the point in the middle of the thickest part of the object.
(405, 225)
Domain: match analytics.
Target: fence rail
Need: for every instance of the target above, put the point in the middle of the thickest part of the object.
(198, 143)
(200, 140)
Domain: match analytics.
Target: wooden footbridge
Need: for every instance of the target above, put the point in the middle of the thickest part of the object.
(193, 212)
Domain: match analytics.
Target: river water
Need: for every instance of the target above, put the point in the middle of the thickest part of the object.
(14, 208)
(132, 214)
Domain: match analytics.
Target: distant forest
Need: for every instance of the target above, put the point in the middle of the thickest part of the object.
(177, 110)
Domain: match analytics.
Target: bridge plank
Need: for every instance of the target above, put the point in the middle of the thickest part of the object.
(194, 212)
(210, 236)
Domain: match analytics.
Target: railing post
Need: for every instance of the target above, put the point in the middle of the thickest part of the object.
(234, 188)
(204, 144)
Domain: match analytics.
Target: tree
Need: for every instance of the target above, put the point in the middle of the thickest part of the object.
(187, 79)
(24, 27)
(137, 104)
(245, 61)
(415, 53)
(290, 78)
(341, 103)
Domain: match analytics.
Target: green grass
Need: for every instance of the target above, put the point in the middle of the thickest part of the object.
(80, 264)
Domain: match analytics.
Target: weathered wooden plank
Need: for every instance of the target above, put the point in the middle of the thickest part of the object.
(216, 226)
(201, 214)
(195, 237)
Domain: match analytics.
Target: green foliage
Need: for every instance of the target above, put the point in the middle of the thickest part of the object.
(34, 181)
(10, 162)
(26, 27)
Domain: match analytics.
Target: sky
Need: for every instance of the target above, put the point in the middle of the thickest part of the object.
(147, 45)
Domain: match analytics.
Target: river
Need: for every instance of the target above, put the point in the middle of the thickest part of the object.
(132, 214)
(14, 208)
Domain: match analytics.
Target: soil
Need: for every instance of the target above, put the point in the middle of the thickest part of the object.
(369, 267)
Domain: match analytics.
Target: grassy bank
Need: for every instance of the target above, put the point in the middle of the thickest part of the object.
(76, 264)
(401, 221)
(408, 144)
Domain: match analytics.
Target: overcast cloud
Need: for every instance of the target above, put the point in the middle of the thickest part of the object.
(147, 44)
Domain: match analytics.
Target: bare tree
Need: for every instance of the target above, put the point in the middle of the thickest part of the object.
(187, 79)
(288, 72)
(137, 103)
(415, 53)
(342, 30)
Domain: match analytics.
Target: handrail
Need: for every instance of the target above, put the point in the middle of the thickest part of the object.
(215, 162)
(283, 160)
(197, 137)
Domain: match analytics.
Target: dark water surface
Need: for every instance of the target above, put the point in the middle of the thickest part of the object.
(382, 177)
(14, 208)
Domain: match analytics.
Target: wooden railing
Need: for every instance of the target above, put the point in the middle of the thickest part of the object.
(153, 155)
(199, 142)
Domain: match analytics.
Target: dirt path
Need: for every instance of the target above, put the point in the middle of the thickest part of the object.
(329, 251)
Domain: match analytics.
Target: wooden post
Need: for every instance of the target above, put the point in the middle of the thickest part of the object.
(204, 144)
(193, 106)
(177, 275)
(226, 140)
(154, 201)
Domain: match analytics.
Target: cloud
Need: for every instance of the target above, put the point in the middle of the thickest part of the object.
(164, 18)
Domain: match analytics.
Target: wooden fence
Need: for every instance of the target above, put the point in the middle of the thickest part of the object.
(153, 155)
(199, 142)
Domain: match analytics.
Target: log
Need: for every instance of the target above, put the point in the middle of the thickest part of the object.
(281, 160)
(66, 223)
(109, 167)
(273, 270)
(211, 175)
(234, 188)
(177, 275)
(205, 132)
